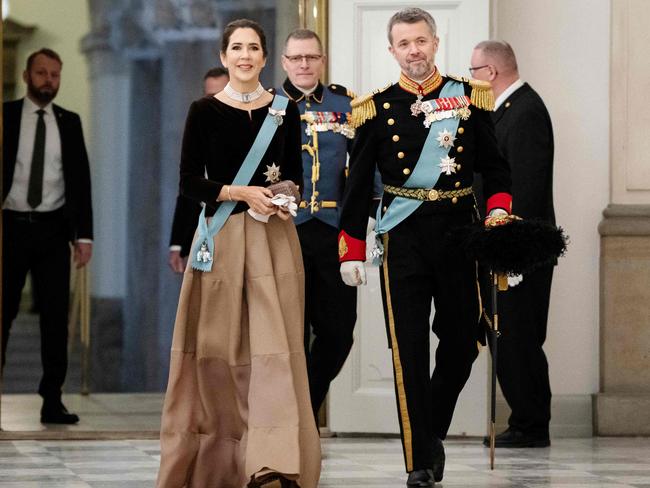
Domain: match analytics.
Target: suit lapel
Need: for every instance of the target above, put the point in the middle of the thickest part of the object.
(508, 102)
(12, 115)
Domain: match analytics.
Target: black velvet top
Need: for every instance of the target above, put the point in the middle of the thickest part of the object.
(217, 139)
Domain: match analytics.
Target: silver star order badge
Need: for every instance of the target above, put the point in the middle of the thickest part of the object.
(445, 139)
(447, 165)
(272, 173)
(416, 107)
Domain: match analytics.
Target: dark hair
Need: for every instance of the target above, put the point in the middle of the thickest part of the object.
(303, 34)
(45, 52)
(411, 15)
(243, 24)
(216, 73)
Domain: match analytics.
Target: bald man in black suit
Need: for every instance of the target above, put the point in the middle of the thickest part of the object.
(525, 136)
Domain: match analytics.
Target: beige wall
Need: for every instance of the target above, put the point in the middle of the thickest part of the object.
(563, 51)
(629, 131)
(60, 25)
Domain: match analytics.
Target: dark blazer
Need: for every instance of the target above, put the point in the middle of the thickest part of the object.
(525, 137)
(76, 170)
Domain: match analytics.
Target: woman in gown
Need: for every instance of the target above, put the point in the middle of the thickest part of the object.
(237, 411)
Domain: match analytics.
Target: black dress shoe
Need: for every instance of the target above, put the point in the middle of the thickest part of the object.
(438, 460)
(513, 438)
(56, 413)
(420, 477)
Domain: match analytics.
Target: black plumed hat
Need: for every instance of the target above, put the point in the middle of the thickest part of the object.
(510, 245)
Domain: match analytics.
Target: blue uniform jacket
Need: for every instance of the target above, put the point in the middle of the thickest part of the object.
(329, 109)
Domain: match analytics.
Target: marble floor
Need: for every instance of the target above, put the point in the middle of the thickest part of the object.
(103, 415)
(347, 462)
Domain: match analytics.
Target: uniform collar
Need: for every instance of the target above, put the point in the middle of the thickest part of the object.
(296, 95)
(423, 88)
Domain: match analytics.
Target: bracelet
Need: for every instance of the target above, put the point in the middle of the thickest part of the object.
(228, 190)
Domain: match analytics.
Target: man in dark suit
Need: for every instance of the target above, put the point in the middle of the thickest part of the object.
(525, 137)
(187, 212)
(46, 206)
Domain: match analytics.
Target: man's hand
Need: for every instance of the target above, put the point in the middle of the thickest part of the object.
(495, 217)
(353, 273)
(176, 262)
(82, 253)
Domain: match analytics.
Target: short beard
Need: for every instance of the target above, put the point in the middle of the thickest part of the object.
(420, 72)
(41, 96)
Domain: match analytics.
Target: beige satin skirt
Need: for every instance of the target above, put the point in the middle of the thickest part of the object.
(237, 402)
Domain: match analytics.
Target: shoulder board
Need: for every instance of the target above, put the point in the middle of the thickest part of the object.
(363, 108)
(341, 90)
(482, 96)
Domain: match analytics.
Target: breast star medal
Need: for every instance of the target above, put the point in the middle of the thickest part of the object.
(445, 139)
(272, 173)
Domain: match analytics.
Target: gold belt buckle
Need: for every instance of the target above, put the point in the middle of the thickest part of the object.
(433, 195)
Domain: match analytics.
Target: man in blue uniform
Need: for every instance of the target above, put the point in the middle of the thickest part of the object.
(426, 134)
(330, 306)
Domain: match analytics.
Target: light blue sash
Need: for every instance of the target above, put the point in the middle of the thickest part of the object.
(203, 252)
(424, 175)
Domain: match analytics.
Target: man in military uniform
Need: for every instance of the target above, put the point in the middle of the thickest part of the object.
(427, 134)
(330, 306)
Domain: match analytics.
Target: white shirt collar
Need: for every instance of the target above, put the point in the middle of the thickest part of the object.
(31, 107)
(507, 92)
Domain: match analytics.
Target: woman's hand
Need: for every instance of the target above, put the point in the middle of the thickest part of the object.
(258, 198)
(283, 213)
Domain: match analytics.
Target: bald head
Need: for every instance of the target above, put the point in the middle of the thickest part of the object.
(500, 54)
(494, 61)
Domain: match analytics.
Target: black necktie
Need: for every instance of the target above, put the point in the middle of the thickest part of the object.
(35, 189)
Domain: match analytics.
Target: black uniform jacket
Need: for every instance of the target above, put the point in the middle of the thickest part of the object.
(393, 140)
(74, 160)
(218, 137)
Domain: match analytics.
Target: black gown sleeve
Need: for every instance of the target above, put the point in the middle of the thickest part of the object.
(193, 183)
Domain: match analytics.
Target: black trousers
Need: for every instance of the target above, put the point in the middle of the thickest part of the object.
(420, 265)
(39, 243)
(330, 308)
(522, 368)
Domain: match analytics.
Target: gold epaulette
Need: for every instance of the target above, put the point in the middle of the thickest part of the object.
(351, 94)
(363, 108)
(482, 96)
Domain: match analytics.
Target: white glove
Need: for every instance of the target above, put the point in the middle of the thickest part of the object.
(515, 280)
(371, 225)
(496, 212)
(288, 203)
(353, 273)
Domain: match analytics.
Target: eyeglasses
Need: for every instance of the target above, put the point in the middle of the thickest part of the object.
(472, 69)
(310, 58)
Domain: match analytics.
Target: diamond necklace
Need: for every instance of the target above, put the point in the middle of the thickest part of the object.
(244, 97)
